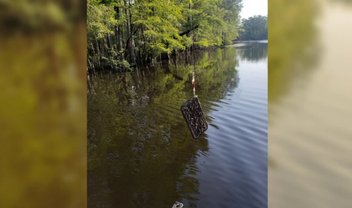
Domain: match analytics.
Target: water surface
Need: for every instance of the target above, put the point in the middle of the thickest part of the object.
(310, 122)
(141, 154)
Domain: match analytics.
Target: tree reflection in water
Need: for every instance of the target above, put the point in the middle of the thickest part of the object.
(140, 152)
(255, 53)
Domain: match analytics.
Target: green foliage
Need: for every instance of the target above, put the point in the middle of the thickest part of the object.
(144, 29)
(208, 15)
(100, 19)
(231, 12)
(254, 28)
(217, 20)
(159, 21)
(112, 61)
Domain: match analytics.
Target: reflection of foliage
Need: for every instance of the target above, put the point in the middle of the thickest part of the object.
(219, 76)
(254, 28)
(42, 123)
(291, 38)
(42, 114)
(256, 52)
(140, 151)
(38, 15)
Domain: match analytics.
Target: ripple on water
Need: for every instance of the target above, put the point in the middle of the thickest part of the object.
(142, 133)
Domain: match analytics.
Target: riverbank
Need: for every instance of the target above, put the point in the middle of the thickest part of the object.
(121, 65)
(126, 34)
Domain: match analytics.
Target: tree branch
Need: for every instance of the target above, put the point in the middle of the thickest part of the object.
(188, 31)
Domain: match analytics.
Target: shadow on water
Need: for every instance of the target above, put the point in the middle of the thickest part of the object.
(141, 153)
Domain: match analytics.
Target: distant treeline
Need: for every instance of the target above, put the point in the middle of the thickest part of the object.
(125, 33)
(254, 28)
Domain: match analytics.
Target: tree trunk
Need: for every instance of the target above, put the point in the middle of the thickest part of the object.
(118, 38)
(130, 40)
(98, 51)
(118, 33)
(108, 40)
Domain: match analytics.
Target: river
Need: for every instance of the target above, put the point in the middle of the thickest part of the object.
(141, 153)
(310, 130)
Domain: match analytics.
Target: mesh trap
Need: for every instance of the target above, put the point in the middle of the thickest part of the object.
(193, 114)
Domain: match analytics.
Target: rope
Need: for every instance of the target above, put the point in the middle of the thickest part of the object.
(193, 59)
(194, 84)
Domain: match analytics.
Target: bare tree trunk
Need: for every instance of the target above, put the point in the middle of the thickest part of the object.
(118, 38)
(118, 33)
(98, 50)
(108, 40)
(130, 41)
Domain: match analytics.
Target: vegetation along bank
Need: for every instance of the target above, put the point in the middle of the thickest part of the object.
(123, 34)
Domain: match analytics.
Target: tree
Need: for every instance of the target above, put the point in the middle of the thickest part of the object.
(254, 28)
(158, 22)
(139, 31)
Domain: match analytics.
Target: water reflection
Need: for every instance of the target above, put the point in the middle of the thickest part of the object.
(42, 117)
(140, 151)
(310, 104)
(293, 47)
(257, 51)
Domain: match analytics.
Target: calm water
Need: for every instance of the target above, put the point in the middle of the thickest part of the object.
(310, 130)
(141, 154)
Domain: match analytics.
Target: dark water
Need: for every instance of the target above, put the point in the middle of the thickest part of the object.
(141, 153)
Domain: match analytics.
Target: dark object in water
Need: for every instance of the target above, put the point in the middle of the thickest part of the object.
(193, 114)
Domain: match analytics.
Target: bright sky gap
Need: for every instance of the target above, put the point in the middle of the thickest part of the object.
(254, 7)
